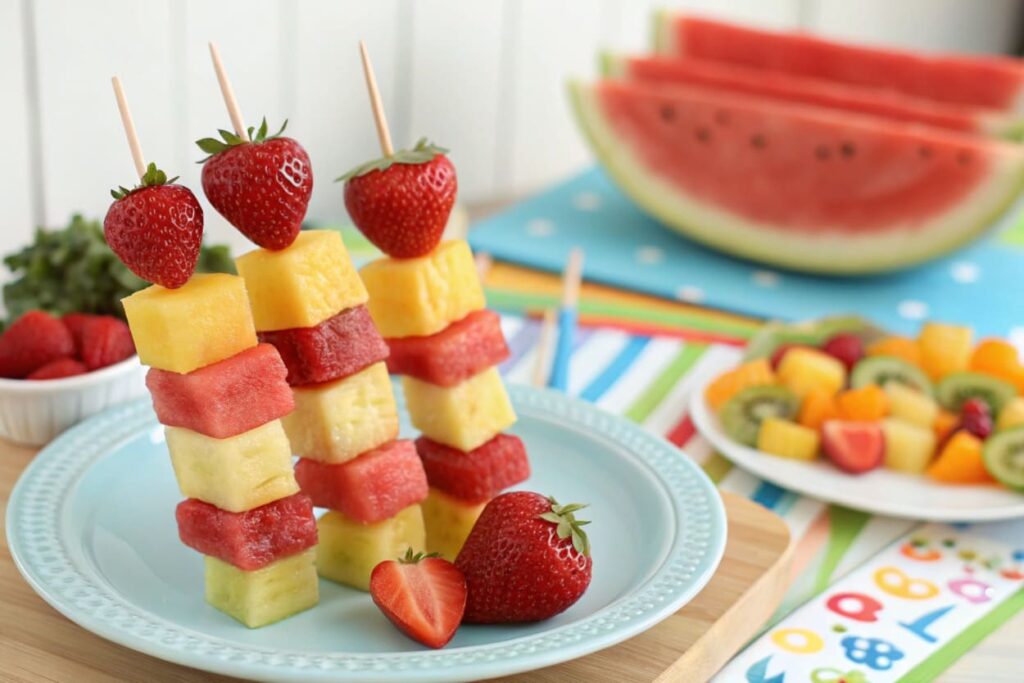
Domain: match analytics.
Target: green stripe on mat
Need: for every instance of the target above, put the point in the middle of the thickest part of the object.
(716, 467)
(943, 658)
(517, 302)
(844, 527)
(1015, 233)
(657, 390)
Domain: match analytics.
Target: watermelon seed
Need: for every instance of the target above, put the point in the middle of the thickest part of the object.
(667, 113)
(703, 133)
(822, 153)
(722, 118)
(925, 151)
(847, 149)
(758, 141)
(963, 158)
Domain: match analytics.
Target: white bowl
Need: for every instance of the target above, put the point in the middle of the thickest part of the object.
(33, 412)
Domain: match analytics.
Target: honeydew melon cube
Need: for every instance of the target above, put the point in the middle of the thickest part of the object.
(235, 474)
(448, 521)
(272, 593)
(336, 421)
(303, 285)
(910, 405)
(202, 322)
(464, 416)
(909, 447)
(421, 296)
(349, 550)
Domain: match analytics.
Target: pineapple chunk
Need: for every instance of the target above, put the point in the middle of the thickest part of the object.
(349, 550)
(422, 296)
(910, 405)
(1012, 414)
(180, 330)
(448, 522)
(271, 593)
(339, 420)
(235, 474)
(804, 369)
(787, 439)
(945, 348)
(303, 285)
(464, 416)
(909, 447)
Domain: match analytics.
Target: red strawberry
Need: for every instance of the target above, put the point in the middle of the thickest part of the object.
(56, 369)
(401, 203)
(261, 187)
(104, 340)
(845, 347)
(422, 595)
(156, 229)
(32, 341)
(526, 559)
(853, 447)
(75, 322)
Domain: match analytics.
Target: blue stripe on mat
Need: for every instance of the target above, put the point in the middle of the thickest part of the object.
(768, 494)
(615, 369)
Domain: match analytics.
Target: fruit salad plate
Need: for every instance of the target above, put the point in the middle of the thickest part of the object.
(91, 527)
(881, 491)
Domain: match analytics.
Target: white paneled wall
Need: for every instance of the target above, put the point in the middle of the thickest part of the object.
(483, 77)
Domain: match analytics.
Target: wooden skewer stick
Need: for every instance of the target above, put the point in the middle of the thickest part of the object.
(571, 278)
(129, 127)
(483, 262)
(542, 361)
(383, 134)
(229, 95)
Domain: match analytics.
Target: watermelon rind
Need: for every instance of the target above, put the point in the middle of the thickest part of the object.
(830, 250)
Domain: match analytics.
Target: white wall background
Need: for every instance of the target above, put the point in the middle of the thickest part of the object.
(483, 77)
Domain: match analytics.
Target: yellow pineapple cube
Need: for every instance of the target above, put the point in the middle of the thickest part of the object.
(788, 439)
(448, 522)
(180, 330)
(1011, 415)
(336, 421)
(804, 369)
(265, 595)
(235, 474)
(415, 297)
(349, 550)
(464, 416)
(909, 447)
(945, 348)
(302, 285)
(910, 405)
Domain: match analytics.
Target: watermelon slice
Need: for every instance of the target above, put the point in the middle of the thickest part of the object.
(787, 87)
(993, 82)
(797, 186)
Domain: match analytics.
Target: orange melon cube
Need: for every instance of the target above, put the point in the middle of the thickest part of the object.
(817, 408)
(996, 357)
(865, 404)
(898, 347)
(753, 374)
(960, 462)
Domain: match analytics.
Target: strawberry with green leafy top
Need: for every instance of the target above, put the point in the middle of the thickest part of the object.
(261, 186)
(526, 559)
(401, 202)
(156, 229)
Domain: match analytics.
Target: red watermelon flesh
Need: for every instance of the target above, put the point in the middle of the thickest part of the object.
(370, 488)
(226, 398)
(251, 539)
(477, 475)
(794, 185)
(336, 348)
(454, 354)
(786, 87)
(993, 82)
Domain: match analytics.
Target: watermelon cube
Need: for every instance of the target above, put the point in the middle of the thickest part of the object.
(338, 347)
(349, 550)
(252, 539)
(447, 522)
(454, 354)
(263, 596)
(478, 475)
(374, 486)
(224, 399)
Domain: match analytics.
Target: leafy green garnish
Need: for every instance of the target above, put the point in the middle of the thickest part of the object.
(423, 152)
(152, 177)
(73, 270)
(213, 146)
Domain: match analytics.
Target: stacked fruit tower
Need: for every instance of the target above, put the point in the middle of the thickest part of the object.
(309, 303)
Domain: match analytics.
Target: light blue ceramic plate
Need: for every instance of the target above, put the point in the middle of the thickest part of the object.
(91, 526)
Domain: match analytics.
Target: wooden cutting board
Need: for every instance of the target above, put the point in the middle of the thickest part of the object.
(38, 644)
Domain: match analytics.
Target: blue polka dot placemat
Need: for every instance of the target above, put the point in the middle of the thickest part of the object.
(982, 285)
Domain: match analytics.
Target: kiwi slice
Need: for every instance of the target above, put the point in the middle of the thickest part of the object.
(742, 414)
(1004, 457)
(957, 387)
(881, 370)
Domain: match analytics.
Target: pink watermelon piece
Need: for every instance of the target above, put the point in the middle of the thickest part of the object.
(792, 185)
(779, 85)
(992, 82)
(370, 488)
(477, 475)
(226, 398)
(251, 539)
(336, 348)
(454, 354)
